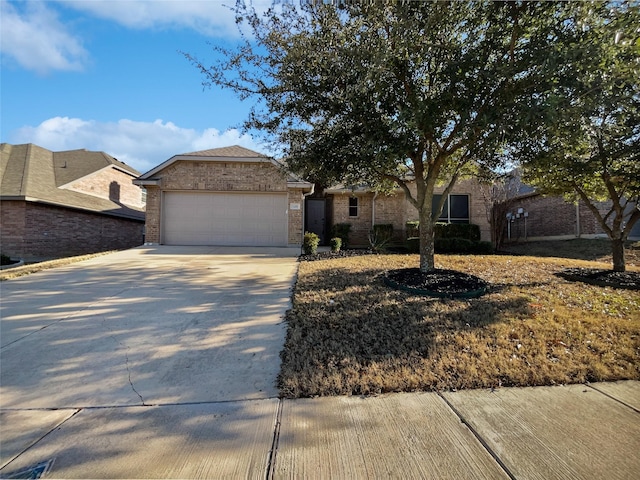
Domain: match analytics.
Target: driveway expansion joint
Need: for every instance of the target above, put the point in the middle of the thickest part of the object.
(274, 444)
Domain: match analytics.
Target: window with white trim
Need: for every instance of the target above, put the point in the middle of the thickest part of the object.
(455, 210)
(353, 206)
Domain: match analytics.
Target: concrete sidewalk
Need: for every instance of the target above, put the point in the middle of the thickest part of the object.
(569, 432)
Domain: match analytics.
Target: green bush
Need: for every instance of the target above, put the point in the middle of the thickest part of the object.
(413, 244)
(380, 237)
(413, 229)
(341, 230)
(469, 231)
(483, 248)
(5, 260)
(453, 245)
(310, 243)
(336, 243)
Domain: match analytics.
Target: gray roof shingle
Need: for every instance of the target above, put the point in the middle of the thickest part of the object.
(35, 174)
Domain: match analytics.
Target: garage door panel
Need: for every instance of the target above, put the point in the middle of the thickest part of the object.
(224, 219)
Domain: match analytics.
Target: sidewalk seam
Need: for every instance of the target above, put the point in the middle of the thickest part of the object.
(613, 398)
(274, 443)
(476, 434)
(35, 442)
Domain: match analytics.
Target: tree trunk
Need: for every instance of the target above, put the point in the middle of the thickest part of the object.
(427, 262)
(617, 249)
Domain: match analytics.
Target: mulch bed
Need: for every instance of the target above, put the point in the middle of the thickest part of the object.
(603, 277)
(339, 254)
(437, 283)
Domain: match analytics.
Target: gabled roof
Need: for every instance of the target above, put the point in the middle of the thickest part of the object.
(35, 174)
(233, 153)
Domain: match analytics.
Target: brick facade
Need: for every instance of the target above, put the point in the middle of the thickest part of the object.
(35, 231)
(396, 210)
(111, 184)
(221, 176)
(553, 217)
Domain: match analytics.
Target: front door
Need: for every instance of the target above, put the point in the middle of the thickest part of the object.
(316, 218)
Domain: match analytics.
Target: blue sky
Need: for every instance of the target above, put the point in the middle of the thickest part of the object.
(108, 76)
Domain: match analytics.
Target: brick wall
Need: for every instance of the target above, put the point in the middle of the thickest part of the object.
(396, 210)
(360, 224)
(12, 228)
(221, 177)
(296, 196)
(152, 223)
(112, 184)
(54, 232)
(552, 217)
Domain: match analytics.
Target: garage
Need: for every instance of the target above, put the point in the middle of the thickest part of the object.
(243, 219)
(223, 196)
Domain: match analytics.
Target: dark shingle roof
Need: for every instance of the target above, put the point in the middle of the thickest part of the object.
(33, 173)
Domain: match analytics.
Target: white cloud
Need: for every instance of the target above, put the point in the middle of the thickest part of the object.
(34, 38)
(211, 18)
(142, 145)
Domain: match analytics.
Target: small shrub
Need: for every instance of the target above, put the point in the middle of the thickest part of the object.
(380, 237)
(469, 231)
(336, 243)
(483, 248)
(452, 245)
(310, 243)
(341, 230)
(412, 229)
(5, 260)
(413, 244)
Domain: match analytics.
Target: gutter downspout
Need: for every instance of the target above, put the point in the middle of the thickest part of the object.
(578, 219)
(304, 211)
(373, 210)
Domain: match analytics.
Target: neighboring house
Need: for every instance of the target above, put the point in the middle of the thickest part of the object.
(533, 216)
(362, 208)
(224, 196)
(58, 204)
(538, 217)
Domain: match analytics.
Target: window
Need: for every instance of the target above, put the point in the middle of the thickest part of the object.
(353, 206)
(455, 209)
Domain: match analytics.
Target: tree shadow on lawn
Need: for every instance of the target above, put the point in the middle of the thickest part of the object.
(350, 334)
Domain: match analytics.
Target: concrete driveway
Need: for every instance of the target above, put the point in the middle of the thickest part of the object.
(151, 326)
(147, 326)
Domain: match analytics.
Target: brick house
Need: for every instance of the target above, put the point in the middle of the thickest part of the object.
(223, 196)
(538, 217)
(58, 204)
(362, 208)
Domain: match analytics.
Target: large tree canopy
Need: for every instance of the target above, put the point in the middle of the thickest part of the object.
(409, 92)
(586, 140)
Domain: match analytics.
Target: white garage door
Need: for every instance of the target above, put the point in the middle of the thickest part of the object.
(225, 219)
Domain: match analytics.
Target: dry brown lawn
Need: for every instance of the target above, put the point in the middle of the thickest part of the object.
(349, 334)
